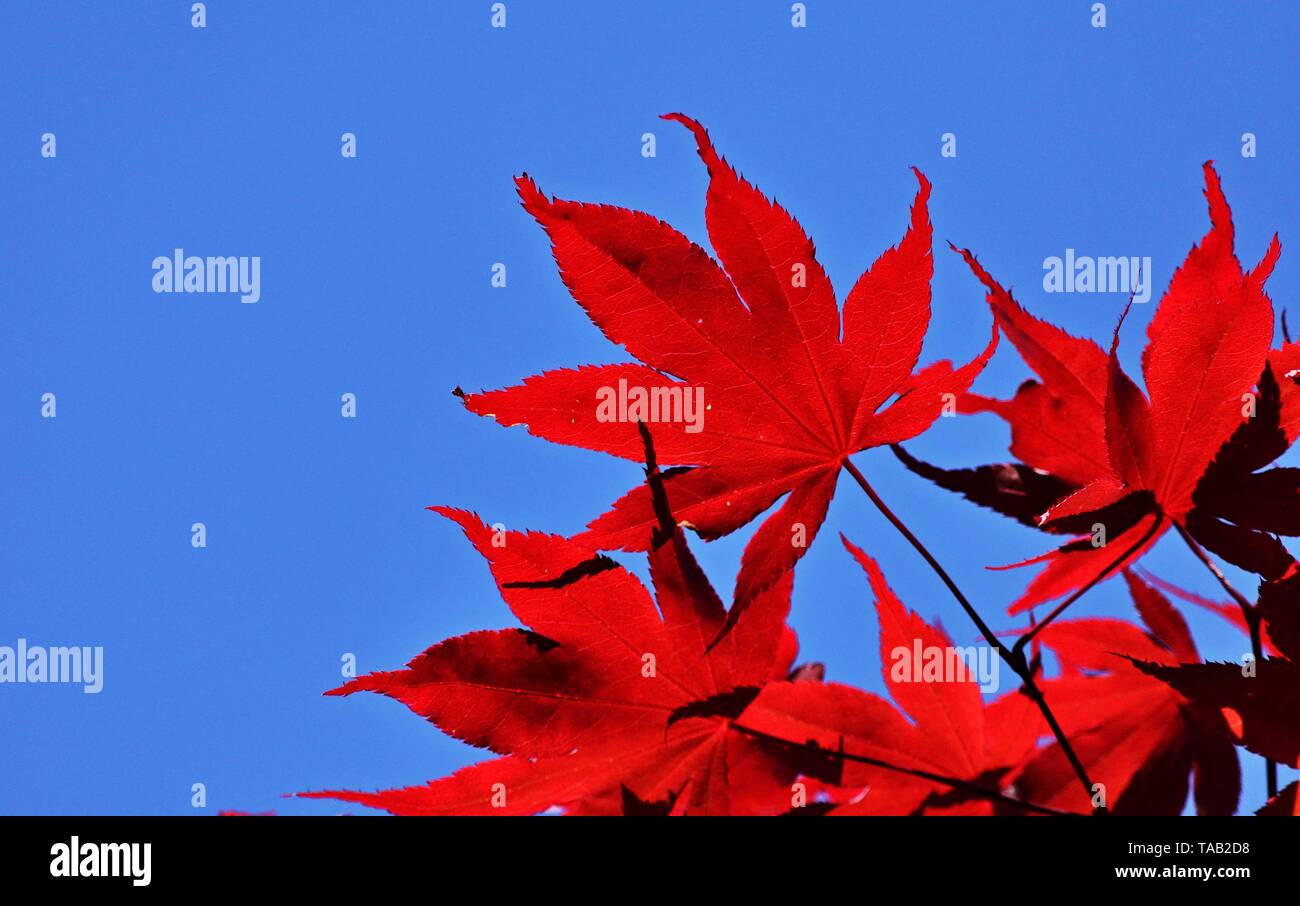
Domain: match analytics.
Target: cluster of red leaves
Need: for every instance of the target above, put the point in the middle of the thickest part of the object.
(614, 700)
(1093, 449)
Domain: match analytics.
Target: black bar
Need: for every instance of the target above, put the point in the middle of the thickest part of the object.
(331, 854)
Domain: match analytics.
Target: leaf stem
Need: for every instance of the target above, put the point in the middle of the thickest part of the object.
(1115, 564)
(1247, 608)
(1250, 613)
(984, 628)
(953, 782)
(1014, 657)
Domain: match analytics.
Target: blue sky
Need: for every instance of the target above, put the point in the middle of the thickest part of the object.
(175, 409)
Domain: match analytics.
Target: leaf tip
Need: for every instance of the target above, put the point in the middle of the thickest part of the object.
(703, 143)
(530, 194)
(923, 182)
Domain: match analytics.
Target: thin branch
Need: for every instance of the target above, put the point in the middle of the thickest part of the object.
(1247, 608)
(953, 782)
(966, 605)
(1014, 658)
(1250, 613)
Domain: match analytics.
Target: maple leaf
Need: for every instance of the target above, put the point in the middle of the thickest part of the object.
(943, 727)
(784, 389)
(1229, 611)
(1257, 699)
(1238, 509)
(1093, 448)
(1286, 365)
(605, 703)
(1137, 737)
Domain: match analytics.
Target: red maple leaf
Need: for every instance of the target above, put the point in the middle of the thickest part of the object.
(1229, 611)
(943, 727)
(1094, 449)
(604, 704)
(1137, 737)
(782, 389)
(1257, 699)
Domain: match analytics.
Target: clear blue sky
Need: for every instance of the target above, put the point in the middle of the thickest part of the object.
(175, 409)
